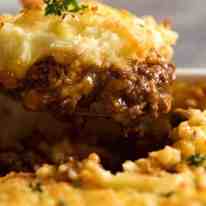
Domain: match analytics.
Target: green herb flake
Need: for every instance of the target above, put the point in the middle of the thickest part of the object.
(59, 7)
(76, 183)
(36, 187)
(196, 160)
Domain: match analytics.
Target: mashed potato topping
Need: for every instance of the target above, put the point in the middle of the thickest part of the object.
(174, 175)
(99, 36)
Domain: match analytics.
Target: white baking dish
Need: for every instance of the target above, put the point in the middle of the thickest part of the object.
(191, 74)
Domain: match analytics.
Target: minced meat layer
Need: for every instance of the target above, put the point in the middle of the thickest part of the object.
(123, 95)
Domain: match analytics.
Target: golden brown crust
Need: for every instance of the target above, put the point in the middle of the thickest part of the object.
(103, 37)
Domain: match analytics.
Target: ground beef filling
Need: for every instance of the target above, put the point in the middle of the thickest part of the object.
(122, 95)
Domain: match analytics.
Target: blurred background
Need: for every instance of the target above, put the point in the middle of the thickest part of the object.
(188, 17)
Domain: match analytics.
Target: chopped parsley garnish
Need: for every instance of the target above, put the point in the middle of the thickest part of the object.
(76, 183)
(196, 160)
(36, 187)
(59, 7)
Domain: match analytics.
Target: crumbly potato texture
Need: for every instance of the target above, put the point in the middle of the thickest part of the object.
(98, 36)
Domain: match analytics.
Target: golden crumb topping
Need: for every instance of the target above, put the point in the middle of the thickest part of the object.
(99, 36)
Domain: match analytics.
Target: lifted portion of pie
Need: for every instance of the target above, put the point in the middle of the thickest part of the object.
(99, 62)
